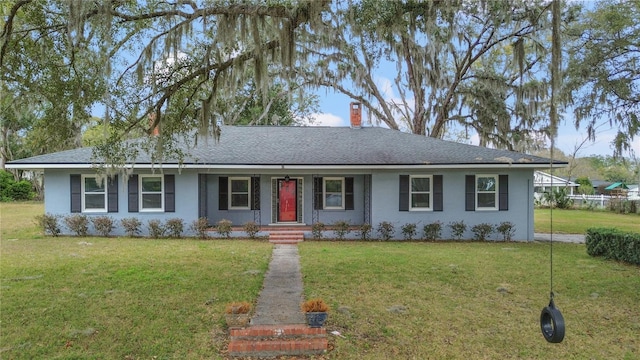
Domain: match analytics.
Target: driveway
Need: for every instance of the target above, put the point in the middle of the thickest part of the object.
(568, 238)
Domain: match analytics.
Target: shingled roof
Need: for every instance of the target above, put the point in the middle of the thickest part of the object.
(267, 146)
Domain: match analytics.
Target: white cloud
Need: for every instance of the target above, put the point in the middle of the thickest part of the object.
(327, 119)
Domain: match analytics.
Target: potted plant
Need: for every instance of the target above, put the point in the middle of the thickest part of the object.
(238, 314)
(316, 312)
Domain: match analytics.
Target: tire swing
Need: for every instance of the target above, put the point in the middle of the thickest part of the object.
(551, 320)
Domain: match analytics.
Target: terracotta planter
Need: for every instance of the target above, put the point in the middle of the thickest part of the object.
(237, 320)
(316, 319)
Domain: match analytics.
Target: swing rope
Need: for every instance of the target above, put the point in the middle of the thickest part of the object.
(551, 222)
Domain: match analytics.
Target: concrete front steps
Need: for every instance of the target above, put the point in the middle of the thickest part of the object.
(286, 236)
(277, 340)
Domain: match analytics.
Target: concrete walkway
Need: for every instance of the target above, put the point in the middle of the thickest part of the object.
(568, 238)
(281, 295)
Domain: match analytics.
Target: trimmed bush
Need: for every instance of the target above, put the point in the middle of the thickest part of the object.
(103, 225)
(317, 229)
(482, 231)
(506, 229)
(386, 230)
(341, 228)
(11, 190)
(251, 228)
(174, 227)
(77, 223)
(156, 230)
(433, 231)
(224, 228)
(48, 223)
(131, 226)
(457, 229)
(200, 227)
(614, 244)
(364, 232)
(409, 231)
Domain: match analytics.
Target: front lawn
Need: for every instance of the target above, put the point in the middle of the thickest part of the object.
(471, 300)
(127, 298)
(122, 298)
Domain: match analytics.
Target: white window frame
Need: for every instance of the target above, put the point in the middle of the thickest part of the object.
(324, 193)
(104, 191)
(430, 192)
(142, 193)
(231, 180)
(495, 192)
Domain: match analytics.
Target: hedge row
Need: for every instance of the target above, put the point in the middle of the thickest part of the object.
(612, 243)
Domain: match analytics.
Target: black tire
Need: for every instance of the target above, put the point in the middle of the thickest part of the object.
(552, 324)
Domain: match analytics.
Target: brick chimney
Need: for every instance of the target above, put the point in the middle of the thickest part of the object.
(355, 115)
(156, 129)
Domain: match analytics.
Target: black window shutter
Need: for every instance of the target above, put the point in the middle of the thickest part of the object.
(133, 193)
(255, 193)
(503, 192)
(348, 193)
(202, 195)
(112, 194)
(470, 193)
(76, 193)
(169, 193)
(223, 193)
(437, 193)
(317, 193)
(404, 193)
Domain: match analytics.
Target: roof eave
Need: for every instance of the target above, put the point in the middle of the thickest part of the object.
(39, 167)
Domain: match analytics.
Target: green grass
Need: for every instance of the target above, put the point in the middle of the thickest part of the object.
(578, 221)
(471, 300)
(101, 298)
(120, 298)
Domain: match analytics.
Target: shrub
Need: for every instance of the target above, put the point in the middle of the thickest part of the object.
(103, 225)
(48, 223)
(317, 229)
(175, 227)
(482, 231)
(251, 228)
(409, 231)
(131, 226)
(315, 305)
(242, 307)
(613, 244)
(457, 229)
(364, 232)
(506, 229)
(77, 223)
(224, 228)
(200, 227)
(341, 228)
(558, 198)
(156, 230)
(386, 230)
(11, 190)
(433, 231)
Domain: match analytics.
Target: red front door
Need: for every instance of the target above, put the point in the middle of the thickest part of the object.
(287, 205)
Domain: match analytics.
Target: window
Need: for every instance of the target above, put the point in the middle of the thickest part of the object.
(333, 189)
(94, 194)
(486, 192)
(239, 193)
(420, 193)
(151, 193)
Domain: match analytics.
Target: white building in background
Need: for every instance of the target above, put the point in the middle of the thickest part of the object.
(543, 182)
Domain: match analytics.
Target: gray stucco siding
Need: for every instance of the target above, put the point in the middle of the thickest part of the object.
(385, 203)
(58, 199)
(384, 200)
